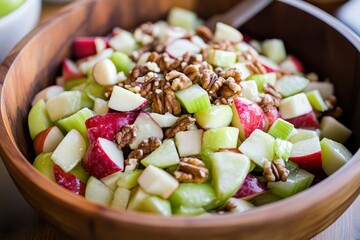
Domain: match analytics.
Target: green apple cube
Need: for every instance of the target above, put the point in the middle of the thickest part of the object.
(74, 83)
(77, 121)
(122, 62)
(280, 129)
(124, 42)
(8, 6)
(224, 32)
(193, 195)
(241, 205)
(136, 197)
(98, 192)
(274, 49)
(261, 79)
(70, 151)
(100, 106)
(182, 18)
(157, 181)
(121, 198)
(259, 147)
(188, 211)
(154, 204)
(129, 179)
(295, 183)
(66, 104)
(282, 149)
(162, 157)
(80, 173)
(188, 143)
(220, 58)
(194, 98)
(214, 116)
(316, 100)
(228, 170)
(265, 198)
(111, 180)
(334, 155)
(334, 130)
(164, 120)
(38, 119)
(302, 134)
(45, 165)
(222, 137)
(290, 85)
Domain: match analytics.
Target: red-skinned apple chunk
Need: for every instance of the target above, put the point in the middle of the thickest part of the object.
(107, 125)
(47, 140)
(250, 188)
(308, 121)
(307, 154)
(103, 158)
(247, 116)
(69, 181)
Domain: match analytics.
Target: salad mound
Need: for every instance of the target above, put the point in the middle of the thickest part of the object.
(175, 119)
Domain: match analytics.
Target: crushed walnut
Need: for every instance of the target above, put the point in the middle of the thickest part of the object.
(269, 98)
(126, 136)
(231, 72)
(211, 82)
(230, 88)
(191, 170)
(146, 147)
(256, 67)
(178, 80)
(275, 171)
(164, 100)
(183, 123)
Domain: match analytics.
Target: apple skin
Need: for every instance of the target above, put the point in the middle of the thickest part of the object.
(86, 46)
(311, 162)
(108, 125)
(98, 163)
(308, 121)
(69, 181)
(247, 116)
(292, 65)
(47, 140)
(270, 117)
(250, 188)
(70, 70)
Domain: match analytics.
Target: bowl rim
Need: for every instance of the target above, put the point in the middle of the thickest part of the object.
(263, 213)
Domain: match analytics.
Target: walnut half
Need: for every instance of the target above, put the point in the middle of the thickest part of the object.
(276, 171)
(192, 170)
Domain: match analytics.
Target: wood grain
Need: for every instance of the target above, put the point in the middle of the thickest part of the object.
(309, 213)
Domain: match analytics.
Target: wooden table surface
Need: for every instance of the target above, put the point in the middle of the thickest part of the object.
(19, 221)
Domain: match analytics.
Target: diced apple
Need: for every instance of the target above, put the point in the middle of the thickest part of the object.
(70, 70)
(270, 117)
(171, 33)
(38, 119)
(123, 100)
(47, 93)
(182, 18)
(75, 84)
(307, 120)
(270, 65)
(247, 116)
(179, 47)
(88, 46)
(246, 47)
(334, 130)
(145, 127)
(307, 154)
(77, 121)
(103, 158)
(164, 120)
(334, 155)
(129, 179)
(136, 197)
(265, 198)
(156, 205)
(157, 182)
(220, 58)
(124, 41)
(259, 147)
(250, 90)
(188, 143)
(70, 150)
(122, 62)
(224, 32)
(250, 188)
(289, 85)
(100, 106)
(47, 140)
(326, 89)
(316, 101)
(261, 79)
(162, 157)
(108, 125)
(121, 198)
(302, 134)
(69, 181)
(222, 137)
(45, 165)
(228, 171)
(282, 149)
(188, 211)
(291, 64)
(85, 65)
(104, 72)
(111, 180)
(294, 106)
(214, 116)
(194, 98)
(274, 49)
(97, 192)
(243, 69)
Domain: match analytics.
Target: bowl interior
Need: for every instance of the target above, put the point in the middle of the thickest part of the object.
(327, 48)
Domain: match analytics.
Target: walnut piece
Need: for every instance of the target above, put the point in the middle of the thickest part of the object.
(205, 33)
(183, 123)
(256, 67)
(270, 98)
(178, 80)
(163, 101)
(230, 88)
(233, 73)
(145, 147)
(126, 136)
(191, 170)
(275, 171)
(210, 81)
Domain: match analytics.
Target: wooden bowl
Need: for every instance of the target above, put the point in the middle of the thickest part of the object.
(326, 46)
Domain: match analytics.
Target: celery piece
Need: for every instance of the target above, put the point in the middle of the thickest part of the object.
(76, 121)
(280, 129)
(290, 85)
(194, 98)
(261, 79)
(316, 100)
